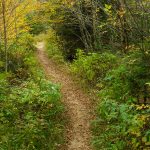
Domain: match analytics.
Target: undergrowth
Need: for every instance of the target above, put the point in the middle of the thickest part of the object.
(122, 85)
(91, 68)
(31, 113)
(53, 47)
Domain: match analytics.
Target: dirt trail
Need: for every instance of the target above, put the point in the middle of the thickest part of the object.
(77, 104)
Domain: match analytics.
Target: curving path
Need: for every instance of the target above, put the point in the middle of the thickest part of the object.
(77, 104)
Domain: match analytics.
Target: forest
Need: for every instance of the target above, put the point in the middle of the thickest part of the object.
(74, 74)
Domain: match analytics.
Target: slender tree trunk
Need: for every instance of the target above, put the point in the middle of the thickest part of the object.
(94, 7)
(5, 34)
(125, 41)
(16, 31)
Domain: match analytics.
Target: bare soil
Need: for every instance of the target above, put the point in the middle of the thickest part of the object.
(77, 103)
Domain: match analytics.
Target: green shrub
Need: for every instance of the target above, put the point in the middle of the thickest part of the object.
(123, 121)
(3, 86)
(31, 117)
(53, 46)
(121, 126)
(18, 50)
(93, 67)
(127, 82)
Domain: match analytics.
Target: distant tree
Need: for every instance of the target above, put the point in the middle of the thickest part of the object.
(13, 22)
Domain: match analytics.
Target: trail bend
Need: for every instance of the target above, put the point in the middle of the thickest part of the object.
(77, 104)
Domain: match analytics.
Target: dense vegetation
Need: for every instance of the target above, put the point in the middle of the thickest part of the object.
(31, 114)
(107, 46)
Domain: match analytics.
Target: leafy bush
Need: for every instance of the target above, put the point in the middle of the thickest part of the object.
(53, 46)
(127, 82)
(93, 67)
(123, 121)
(31, 117)
(3, 86)
(18, 50)
(121, 126)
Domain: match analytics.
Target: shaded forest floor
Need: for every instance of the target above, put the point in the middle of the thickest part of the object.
(77, 103)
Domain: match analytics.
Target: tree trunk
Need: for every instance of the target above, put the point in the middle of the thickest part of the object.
(125, 41)
(5, 34)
